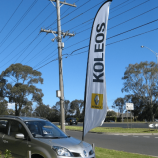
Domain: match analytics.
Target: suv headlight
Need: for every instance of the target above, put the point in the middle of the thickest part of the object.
(62, 151)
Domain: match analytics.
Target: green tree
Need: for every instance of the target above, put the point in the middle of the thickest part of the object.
(20, 85)
(111, 113)
(11, 111)
(56, 107)
(76, 107)
(3, 106)
(42, 111)
(27, 110)
(141, 80)
(2, 87)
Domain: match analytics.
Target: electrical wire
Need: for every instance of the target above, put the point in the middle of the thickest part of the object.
(132, 36)
(39, 53)
(129, 9)
(27, 37)
(33, 48)
(18, 23)
(81, 14)
(24, 29)
(110, 18)
(124, 21)
(62, 58)
(27, 47)
(146, 1)
(132, 29)
(61, 15)
(122, 6)
(44, 60)
(93, 18)
(107, 44)
(119, 5)
(11, 16)
(133, 18)
(125, 31)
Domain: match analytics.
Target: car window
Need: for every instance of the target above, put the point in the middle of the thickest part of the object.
(16, 127)
(3, 126)
(44, 129)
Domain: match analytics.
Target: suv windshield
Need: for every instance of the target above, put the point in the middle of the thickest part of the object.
(44, 129)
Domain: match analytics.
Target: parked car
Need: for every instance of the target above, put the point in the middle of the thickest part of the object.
(41, 137)
(156, 120)
(71, 121)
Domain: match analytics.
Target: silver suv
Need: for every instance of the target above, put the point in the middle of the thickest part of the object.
(41, 138)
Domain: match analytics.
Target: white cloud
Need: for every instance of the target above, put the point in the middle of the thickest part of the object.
(11, 106)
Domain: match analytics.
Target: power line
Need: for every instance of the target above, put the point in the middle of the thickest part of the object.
(109, 43)
(69, 13)
(117, 34)
(39, 53)
(81, 13)
(90, 19)
(132, 36)
(27, 47)
(97, 5)
(119, 5)
(11, 16)
(113, 17)
(124, 31)
(129, 9)
(33, 48)
(123, 5)
(58, 59)
(56, 20)
(124, 21)
(26, 38)
(133, 29)
(44, 60)
(18, 23)
(24, 29)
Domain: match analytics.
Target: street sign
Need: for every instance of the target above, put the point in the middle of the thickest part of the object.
(129, 106)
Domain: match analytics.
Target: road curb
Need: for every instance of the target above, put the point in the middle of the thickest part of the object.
(117, 133)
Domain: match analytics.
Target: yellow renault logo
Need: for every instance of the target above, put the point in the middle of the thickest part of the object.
(97, 101)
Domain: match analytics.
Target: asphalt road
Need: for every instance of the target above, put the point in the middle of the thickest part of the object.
(141, 144)
(123, 125)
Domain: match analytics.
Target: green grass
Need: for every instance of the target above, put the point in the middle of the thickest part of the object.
(114, 129)
(106, 153)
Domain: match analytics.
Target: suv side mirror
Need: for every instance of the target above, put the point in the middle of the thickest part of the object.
(19, 136)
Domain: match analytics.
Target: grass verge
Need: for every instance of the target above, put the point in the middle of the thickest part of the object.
(106, 153)
(114, 129)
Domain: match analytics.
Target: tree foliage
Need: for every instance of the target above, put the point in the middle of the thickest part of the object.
(19, 86)
(141, 81)
(3, 107)
(111, 114)
(77, 107)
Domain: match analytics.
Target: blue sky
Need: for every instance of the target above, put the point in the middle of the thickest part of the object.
(20, 41)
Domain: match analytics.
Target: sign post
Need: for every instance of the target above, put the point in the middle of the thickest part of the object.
(129, 106)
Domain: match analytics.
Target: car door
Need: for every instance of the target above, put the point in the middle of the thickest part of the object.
(18, 147)
(3, 131)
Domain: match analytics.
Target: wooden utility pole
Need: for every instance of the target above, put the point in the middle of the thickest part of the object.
(60, 47)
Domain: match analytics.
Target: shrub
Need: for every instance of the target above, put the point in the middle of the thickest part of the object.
(7, 154)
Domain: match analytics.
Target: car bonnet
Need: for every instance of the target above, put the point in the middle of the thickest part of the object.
(70, 143)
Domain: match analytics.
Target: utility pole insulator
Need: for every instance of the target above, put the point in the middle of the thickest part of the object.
(72, 5)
